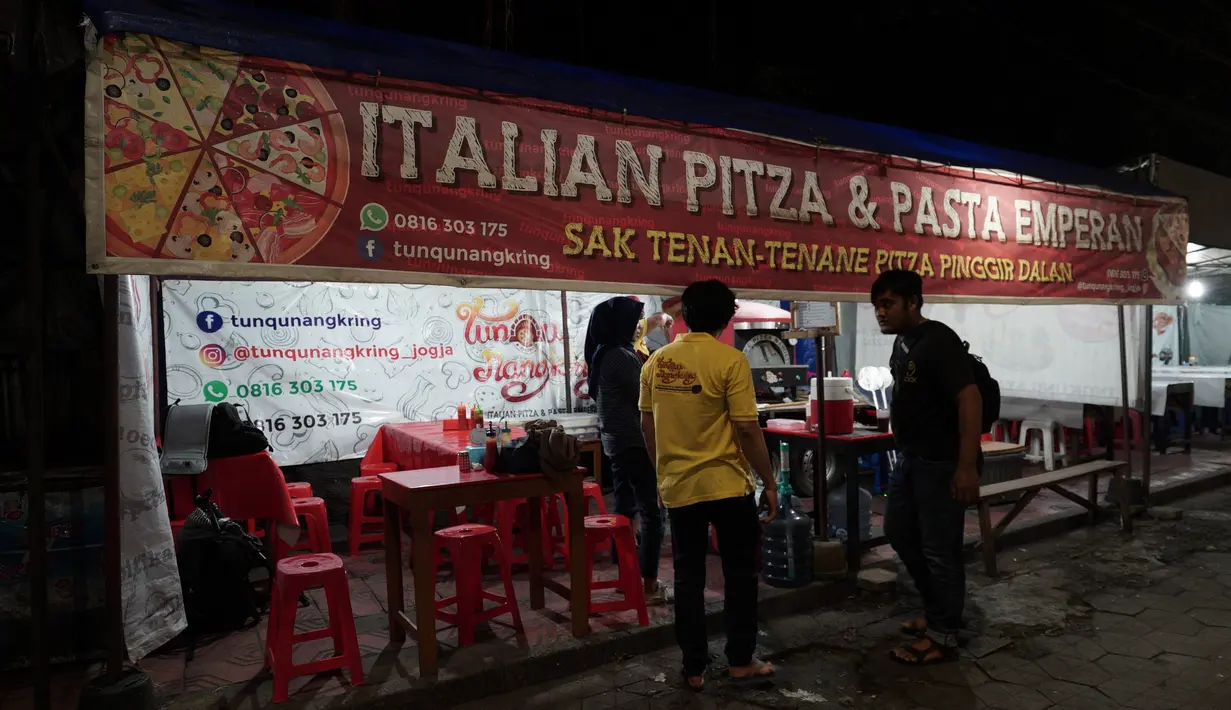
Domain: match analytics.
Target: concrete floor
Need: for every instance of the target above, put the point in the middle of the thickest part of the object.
(1087, 621)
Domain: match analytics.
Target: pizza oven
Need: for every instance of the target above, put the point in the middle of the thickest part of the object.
(758, 331)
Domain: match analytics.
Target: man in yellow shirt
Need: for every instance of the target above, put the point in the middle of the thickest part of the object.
(699, 417)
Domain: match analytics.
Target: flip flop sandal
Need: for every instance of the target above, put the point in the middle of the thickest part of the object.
(925, 656)
(912, 628)
(688, 684)
(763, 674)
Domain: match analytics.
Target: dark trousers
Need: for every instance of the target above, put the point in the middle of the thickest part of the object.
(739, 543)
(636, 491)
(924, 524)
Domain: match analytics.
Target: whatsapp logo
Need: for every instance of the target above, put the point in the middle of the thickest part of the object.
(215, 391)
(373, 217)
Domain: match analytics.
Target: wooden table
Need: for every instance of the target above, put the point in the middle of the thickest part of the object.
(422, 491)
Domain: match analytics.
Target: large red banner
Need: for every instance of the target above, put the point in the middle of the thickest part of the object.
(212, 163)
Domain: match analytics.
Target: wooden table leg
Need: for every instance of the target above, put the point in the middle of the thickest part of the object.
(598, 465)
(579, 586)
(393, 571)
(534, 541)
(987, 545)
(425, 589)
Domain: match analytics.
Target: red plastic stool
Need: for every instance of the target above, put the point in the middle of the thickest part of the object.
(375, 469)
(602, 530)
(556, 519)
(362, 524)
(292, 578)
(312, 510)
(511, 520)
(467, 545)
(299, 489)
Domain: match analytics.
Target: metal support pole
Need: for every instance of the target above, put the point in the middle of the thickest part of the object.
(820, 484)
(568, 359)
(114, 624)
(1147, 397)
(1127, 522)
(35, 356)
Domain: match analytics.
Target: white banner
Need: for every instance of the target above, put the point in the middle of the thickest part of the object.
(1043, 353)
(321, 366)
(149, 576)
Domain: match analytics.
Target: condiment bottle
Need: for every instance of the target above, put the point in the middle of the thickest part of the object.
(491, 451)
(506, 435)
(476, 415)
(461, 416)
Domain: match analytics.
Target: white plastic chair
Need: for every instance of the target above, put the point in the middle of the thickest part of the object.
(1046, 445)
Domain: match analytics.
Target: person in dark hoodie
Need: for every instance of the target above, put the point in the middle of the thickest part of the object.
(614, 380)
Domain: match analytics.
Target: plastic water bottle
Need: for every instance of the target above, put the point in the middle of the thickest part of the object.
(787, 545)
(837, 513)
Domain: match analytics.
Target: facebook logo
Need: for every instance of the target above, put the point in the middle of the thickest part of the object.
(371, 249)
(209, 322)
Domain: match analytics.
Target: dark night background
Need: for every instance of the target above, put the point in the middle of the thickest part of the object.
(1094, 82)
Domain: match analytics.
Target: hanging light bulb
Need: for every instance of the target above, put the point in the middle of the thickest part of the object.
(1195, 290)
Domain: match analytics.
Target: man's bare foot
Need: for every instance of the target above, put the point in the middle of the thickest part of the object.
(756, 669)
(915, 627)
(923, 652)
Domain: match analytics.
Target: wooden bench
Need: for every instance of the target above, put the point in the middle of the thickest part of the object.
(1030, 486)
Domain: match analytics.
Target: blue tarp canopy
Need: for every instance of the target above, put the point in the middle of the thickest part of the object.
(249, 30)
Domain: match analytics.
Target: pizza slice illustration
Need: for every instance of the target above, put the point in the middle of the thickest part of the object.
(211, 155)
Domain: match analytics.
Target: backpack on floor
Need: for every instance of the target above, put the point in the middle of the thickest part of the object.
(217, 557)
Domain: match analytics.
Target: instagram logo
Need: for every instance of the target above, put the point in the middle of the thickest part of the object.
(213, 355)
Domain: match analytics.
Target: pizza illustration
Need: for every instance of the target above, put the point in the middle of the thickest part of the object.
(216, 156)
(1166, 253)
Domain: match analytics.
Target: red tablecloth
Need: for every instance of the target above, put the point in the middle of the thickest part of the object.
(420, 445)
(248, 487)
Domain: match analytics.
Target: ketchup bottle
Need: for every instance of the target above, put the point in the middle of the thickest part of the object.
(461, 416)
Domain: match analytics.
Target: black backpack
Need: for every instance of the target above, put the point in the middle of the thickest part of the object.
(231, 435)
(216, 558)
(989, 389)
(521, 455)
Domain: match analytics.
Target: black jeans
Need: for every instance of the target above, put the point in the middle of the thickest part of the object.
(924, 524)
(739, 544)
(636, 491)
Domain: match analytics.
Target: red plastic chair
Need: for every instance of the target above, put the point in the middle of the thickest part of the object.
(602, 530)
(511, 521)
(556, 520)
(299, 489)
(316, 524)
(467, 545)
(292, 577)
(375, 469)
(364, 528)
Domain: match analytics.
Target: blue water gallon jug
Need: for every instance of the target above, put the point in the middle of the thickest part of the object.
(787, 541)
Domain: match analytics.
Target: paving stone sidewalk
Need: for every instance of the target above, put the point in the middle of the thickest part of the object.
(1087, 621)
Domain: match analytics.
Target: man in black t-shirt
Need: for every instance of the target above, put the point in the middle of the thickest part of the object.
(937, 418)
